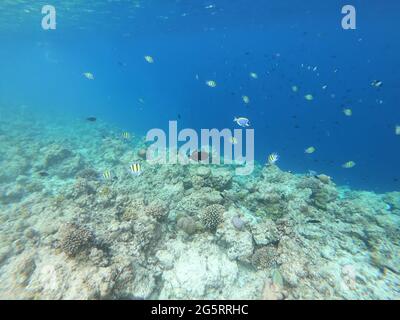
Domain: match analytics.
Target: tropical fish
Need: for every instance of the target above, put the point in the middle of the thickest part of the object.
(107, 175)
(246, 99)
(253, 75)
(348, 112)
(310, 150)
(295, 88)
(126, 135)
(376, 83)
(273, 158)
(233, 140)
(309, 97)
(211, 83)
(243, 122)
(135, 169)
(397, 130)
(149, 59)
(88, 75)
(349, 165)
(324, 87)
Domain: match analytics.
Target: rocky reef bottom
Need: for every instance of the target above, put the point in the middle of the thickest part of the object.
(179, 232)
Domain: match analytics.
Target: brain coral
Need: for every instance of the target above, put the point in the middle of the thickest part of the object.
(212, 216)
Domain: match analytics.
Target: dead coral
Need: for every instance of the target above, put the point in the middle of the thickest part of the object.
(188, 225)
(322, 193)
(133, 210)
(88, 174)
(55, 155)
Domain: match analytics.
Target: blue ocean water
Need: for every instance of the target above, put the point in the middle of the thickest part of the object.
(195, 41)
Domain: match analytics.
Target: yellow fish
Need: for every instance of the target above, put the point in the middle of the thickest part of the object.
(107, 175)
(211, 83)
(309, 97)
(135, 169)
(253, 75)
(149, 59)
(246, 99)
(348, 112)
(310, 150)
(397, 130)
(88, 75)
(295, 88)
(349, 165)
(126, 135)
(273, 158)
(234, 140)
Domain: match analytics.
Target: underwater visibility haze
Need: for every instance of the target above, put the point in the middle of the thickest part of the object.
(85, 214)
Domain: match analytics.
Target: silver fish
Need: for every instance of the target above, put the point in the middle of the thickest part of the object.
(243, 122)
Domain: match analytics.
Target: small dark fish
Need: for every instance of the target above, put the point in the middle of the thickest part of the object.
(313, 221)
(179, 117)
(91, 119)
(43, 174)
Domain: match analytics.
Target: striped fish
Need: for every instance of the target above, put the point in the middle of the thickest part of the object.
(107, 175)
(349, 165)
(126, 135)
(273, 158)
(135, 169)
(211, 83)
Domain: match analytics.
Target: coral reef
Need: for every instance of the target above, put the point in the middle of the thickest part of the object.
(179, 232)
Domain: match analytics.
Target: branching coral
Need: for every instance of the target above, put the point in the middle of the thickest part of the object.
(157, 210)
(76, 239)
(264, 258)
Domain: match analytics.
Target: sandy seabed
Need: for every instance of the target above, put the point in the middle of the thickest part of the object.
(179, 232)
